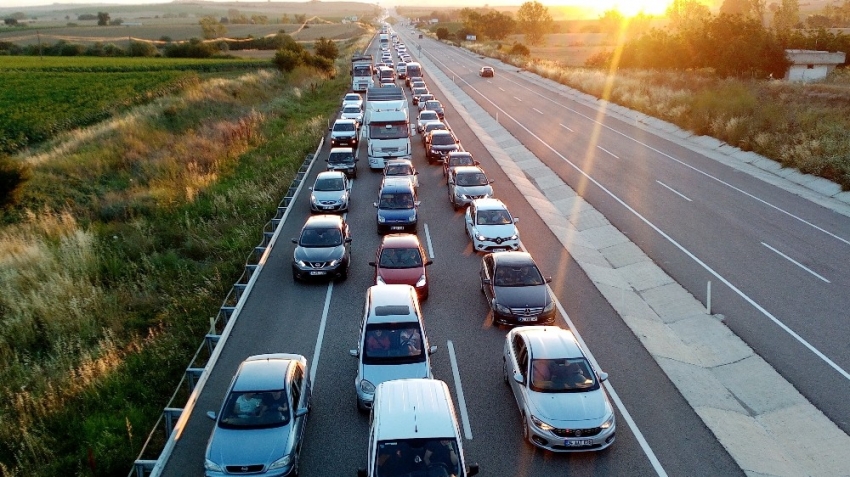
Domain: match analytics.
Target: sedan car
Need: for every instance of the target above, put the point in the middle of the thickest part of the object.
(344, 132)
(515, 289)
(434, 105)
(490, 226)
(400, 258)
(487, 72)
(323, 250)
(425, 116)
(330, 193)
(467, 183)
(561, 401)
(401, 168)
(439, 143)
(352, 98)
(260, 427)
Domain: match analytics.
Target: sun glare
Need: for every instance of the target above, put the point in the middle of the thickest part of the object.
(628, 8)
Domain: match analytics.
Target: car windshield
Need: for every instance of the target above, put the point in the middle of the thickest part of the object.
(472, 179)
(463, 160)
(398, 170)
(428, 116)
(329, 184)
(417, 457)
(388, 131)
(350, 110)
(320, 237)
(431, 104)
(352, 97)
(349, 127)
(442, 140)
(494, 217)
(252, 410)
(435, 125)
(561, 375)
(425, 98)
(517, 276)
(400, 258)
(393, 343)
(341, 157)
(391, 200)
(419, 90)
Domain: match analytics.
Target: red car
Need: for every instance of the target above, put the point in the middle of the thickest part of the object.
(401, 259)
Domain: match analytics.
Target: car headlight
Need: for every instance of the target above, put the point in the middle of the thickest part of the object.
(212, 466)
(381, 219)
(549, 307)
(300, 263)
(284, 462)
(412, 217)
(608, 422)
(313, 199)
(480, 238)
(514, 237)
(502, 309)
(333, 263)
(463, 196)
(540, 424)
(421, 282)
(367, 387)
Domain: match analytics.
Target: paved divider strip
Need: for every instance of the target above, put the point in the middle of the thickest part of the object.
(765, 424)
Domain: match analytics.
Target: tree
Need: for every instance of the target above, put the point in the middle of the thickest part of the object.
(326, 48)
(753, 9)
(612, 22)
(497, 25)
(786, 16)
(10, 21)
(534, 21)
(442, 33)
(687, 14)
(102, 18)
(211, 28)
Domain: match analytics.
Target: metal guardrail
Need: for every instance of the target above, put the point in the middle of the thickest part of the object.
(197, 373)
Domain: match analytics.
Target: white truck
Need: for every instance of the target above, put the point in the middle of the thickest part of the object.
(362, 67)
(387, 126)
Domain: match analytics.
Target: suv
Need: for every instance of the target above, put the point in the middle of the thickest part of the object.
(439, 143)
(392, 342)
(467, 183)
(344, 132)
(330, 193)
(401, 168)
(323, 249)
(490, 226)
(343, 159)
(457, 158)
(515, 289)
(429, 126)
(398, 206)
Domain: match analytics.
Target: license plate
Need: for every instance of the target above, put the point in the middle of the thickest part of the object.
(396, 227)
(500, 249)
(527, 318)
(328, 207)
(317, 272)
(578, 443)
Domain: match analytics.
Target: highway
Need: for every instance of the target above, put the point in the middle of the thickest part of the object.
(320, 321)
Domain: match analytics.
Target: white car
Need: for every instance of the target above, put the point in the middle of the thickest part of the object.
(562, 404)
(490, 226)
(352, 98)
(353, 112)
(424, 117)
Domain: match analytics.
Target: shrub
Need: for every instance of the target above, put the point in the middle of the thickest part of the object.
(142, 48)
(286, 60)
(326, 48)
(13, 176)
(519, 49)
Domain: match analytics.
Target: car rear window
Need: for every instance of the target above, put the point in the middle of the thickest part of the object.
(392, 310)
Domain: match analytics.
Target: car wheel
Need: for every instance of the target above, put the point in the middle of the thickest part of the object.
(295, 277)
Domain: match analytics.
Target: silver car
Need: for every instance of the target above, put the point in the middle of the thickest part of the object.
(261, 424)
(467, 183)
(330, 192)
(561, 401)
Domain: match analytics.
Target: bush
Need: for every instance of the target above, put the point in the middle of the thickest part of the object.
(442, 33)
(519, 49)
(326, 48)
(13, 176)
(195, 48)
(286, 60)
(142, 48)
(319, 62)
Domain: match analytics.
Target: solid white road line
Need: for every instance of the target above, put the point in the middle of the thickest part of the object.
(606, 151)
(786, 257)
(314, 363)
(832, 364)
(428, 241)
(674, 191)
(567, 128)
(461, 401)
(538, 111)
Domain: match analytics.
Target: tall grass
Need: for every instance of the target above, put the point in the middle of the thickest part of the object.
(129, 236)
(803, 126)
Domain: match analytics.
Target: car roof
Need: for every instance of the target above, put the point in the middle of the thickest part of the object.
(490, 204)
(344, 121)
(391, 298)
(438, 132)
(330, 174)
(413, 408)
(395, 184)
(398, 161)
(428, 112)
(400, 241)
(341, 150)
(323, 220)
(512, 258)
(264, 372)
(468, 170)
(550, 342)
(460, 153)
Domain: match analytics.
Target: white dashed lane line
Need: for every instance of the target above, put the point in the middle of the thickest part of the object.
(674, 191)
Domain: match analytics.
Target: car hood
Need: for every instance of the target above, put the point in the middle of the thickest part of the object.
(493, 231)
(566, 410)
(345, 133)
(522, 297)
(444, 147)
(397, 214)
(248, 446)
(319, 254)
(332, 195)
(474, 190)
(379, 373)
(407, 276)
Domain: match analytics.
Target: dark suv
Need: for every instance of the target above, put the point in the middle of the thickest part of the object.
(515, 289)
(343, 159)
(323, 250)
(440, 143)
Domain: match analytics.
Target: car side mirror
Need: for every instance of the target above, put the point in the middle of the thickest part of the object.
(485, 281)
(518, 377)
(476, 163)
(211, 415)
(451, 181)
(374, 204)
(310, 189)
(362, 473)
(548, 279)
(348, 240)
(302, 411)
(328, 160)
(603, 376)
(472, 470)
(516, 219)
(432, 349)
(491, 181)
(429, 262)
(294, 240)
(372, 264)
(417, 202)
(354, 352)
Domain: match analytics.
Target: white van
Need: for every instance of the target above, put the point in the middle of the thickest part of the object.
(414, 432)
(392, 342)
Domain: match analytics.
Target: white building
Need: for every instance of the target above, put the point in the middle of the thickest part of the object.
(811, 65)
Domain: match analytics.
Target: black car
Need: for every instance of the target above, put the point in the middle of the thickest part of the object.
(515, 289)
(323, 250)
(439, 143)
(343, 159)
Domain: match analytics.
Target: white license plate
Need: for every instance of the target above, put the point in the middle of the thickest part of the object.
(317, 272)
(578, 443)
(328, 207)
(527, 318)
(500, 249)
(397, 227)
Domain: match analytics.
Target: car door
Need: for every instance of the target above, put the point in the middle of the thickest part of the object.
(487, 276)
(298, 396)
(470, 215)
(519, 364)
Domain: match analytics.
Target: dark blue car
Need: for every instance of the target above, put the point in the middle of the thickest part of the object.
(397, 205)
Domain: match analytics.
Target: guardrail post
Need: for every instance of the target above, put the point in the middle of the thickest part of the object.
(212, 341)
(144, 467)
(171, 414)
(226, 312)
(192, 375)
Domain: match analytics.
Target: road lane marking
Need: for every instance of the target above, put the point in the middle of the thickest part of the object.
(538, 111)
(314, 363)
(674, 191)
(786, 257)
(517, 99)
(500, 88)
(428, 241)
(461, 401)
(832, 364)
(608, 152)
(567, 128)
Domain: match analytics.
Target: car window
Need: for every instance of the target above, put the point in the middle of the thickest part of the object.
(471, 179)
(393, 343)
(351, 110)
(428, 115)
(463, 160)
(442, 139)
(400, 258)
(403, 458)
(494, 217)
(341, 157)
(517, 276)
(562, 375)
(346, 126)
(329, 184)
(398, 170)
(396, 201)
(319, 237)
(255, 409)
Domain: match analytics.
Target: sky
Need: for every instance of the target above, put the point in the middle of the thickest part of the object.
(626, 7)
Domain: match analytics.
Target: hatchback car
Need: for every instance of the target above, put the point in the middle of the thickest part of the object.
(515, 289)
(330, 192)
(425, 116)
(487, 72)
(435, 105)
(398, 206)
(467, 183)
(343, 159)
(490, 226)
(323, 250)
(401, 168)
(352, 98)
(439, 143)
(400, 258)
(457, 158)
(260, 427)
(561, 401)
